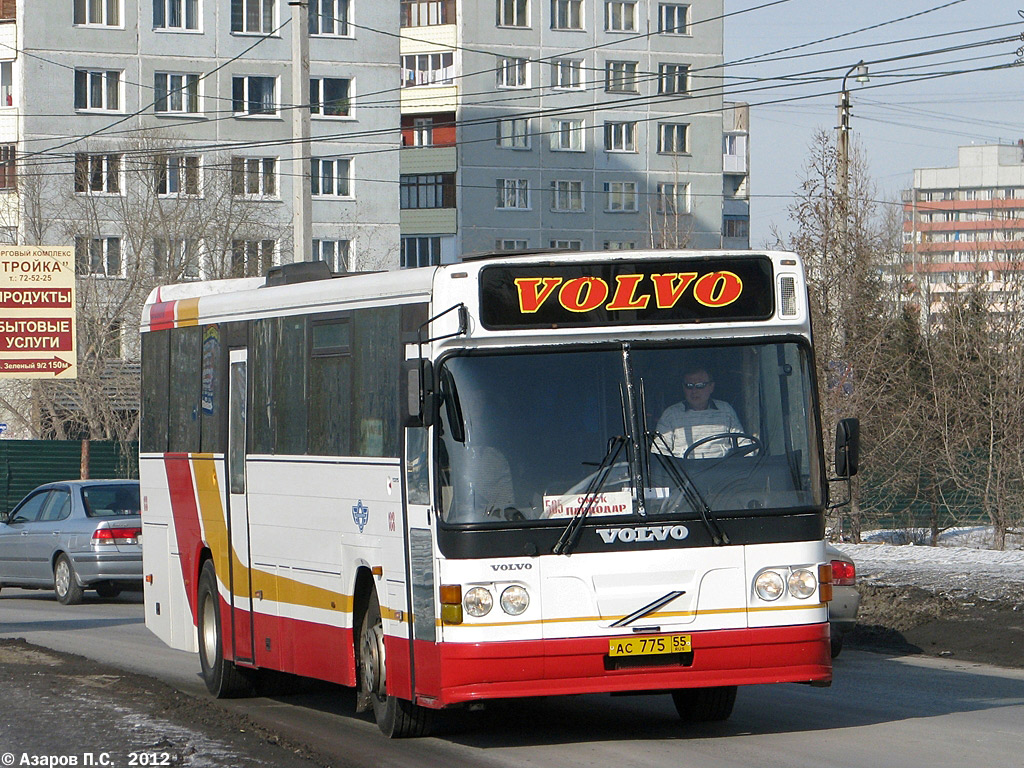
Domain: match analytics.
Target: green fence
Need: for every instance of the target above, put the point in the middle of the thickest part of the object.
(24, 464)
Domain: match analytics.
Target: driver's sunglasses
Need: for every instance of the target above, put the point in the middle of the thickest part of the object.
(698, 384)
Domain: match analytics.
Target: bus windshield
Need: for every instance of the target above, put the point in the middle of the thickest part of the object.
(536, 437)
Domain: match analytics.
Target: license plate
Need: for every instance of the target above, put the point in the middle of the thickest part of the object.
(646, 645)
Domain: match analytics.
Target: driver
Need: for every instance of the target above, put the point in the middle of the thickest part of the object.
(699, 416)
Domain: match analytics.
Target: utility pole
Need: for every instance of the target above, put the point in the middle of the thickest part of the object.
(302, 205)
(843, 139)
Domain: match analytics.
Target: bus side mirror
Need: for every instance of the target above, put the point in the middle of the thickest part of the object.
(847, 447)
(418, 393)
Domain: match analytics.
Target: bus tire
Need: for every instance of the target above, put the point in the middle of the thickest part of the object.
(396, 718)
(701, 705)
(224, 679)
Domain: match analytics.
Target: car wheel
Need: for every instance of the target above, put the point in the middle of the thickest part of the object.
(224, 679)
(697, 705)
(107, 590)
(836, 642)
(65, 583)
(396, 718)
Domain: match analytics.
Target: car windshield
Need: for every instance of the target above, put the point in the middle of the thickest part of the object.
(111, 500)
(525, 437)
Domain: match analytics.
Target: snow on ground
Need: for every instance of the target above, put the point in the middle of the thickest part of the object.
(959, 565)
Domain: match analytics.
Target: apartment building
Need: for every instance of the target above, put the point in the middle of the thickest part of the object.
(964, 225)
(582, 124)
(119, 112)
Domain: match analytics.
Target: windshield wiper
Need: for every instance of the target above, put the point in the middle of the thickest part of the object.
(571, 533)
(689, 489)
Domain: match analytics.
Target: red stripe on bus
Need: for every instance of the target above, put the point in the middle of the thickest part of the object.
(186, 522)
(161, 316)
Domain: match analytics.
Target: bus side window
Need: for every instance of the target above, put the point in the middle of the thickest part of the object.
(416, 477)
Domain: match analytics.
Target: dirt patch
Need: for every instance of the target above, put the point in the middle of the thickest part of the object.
(908, 619)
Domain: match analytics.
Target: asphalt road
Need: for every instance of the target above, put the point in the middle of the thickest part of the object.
(881, 711)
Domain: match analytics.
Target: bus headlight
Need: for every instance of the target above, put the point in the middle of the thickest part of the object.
(515, 600)
(478, 602)
(769, 586)
(802, 584)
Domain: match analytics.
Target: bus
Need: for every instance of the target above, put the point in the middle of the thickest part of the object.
(485, 480)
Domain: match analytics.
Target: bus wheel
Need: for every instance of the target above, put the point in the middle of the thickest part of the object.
(396, 718)
(699, 705)
(224, 679)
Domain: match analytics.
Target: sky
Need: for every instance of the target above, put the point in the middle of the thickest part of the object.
(910, 114)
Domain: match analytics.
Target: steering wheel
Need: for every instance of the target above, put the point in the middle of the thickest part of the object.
(735, 437)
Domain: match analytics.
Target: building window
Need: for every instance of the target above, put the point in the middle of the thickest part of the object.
(568, 196)
(427, 190)
(177, 175)
(567, 135)
(334, 252)
(252, 258)
(738, 228)
(427, 69)
(620, 77)
(176, 93)
(511, 245)
(620, 196)
(512, 72)
(6, 84)
(620, 137)
(8, 177)
(567, 73)
(672, 138)
(620, 15)
(98, 13)
(421, 252)
(254, 95)
(513, 194)
(567, 14)
(619, 245)
(329, 17)
(427, 13)
(331, 177)
(175, 259)
(176, 14)
(98, 256)
(566, 245)
(673, 198)
(436, 130)
(514, 133)
(673, 18)
(329, 96)
(513, 13)
(98, 90)
(256, 176)
(98, 173)
(256, 16)
(673, 78)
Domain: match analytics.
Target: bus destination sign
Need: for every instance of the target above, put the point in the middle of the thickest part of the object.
(37, 312)
(523, 296)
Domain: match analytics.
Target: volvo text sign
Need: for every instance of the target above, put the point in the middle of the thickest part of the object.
(37, 312)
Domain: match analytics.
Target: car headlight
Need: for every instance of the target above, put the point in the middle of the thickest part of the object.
(802, 584)
(769, 586)
(478, 602)
(515, 600)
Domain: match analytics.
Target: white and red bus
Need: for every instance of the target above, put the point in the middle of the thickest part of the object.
(447, 485)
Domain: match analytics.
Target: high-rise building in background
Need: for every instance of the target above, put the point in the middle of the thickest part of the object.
(964, 226)
(581, 124)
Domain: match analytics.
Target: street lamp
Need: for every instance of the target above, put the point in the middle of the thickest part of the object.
(844, 126)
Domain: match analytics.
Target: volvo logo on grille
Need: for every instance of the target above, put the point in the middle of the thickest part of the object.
(512, 567)
(644, 533)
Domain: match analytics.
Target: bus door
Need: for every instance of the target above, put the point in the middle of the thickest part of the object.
(425, 658)
(238, 578)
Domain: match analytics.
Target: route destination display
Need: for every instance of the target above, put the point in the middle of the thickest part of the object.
(37, 312)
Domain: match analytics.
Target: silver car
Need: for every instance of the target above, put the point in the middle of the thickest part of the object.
(842, 611)
(73, 536)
